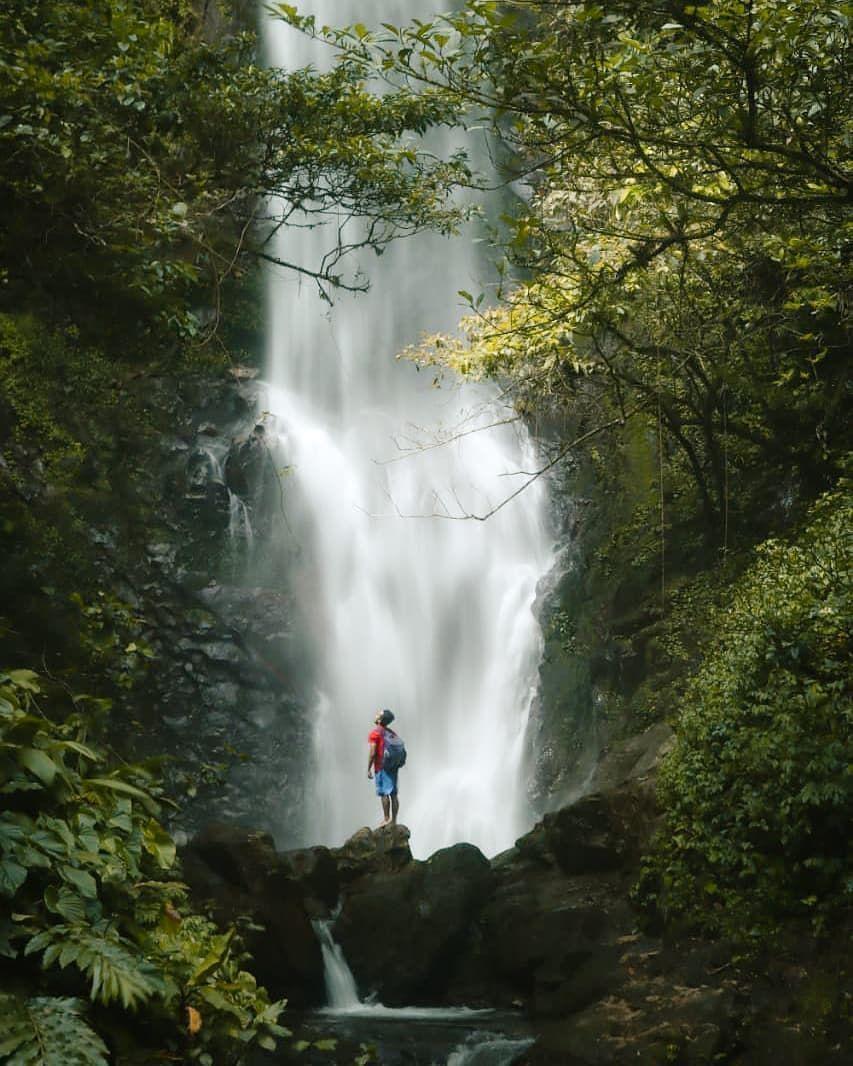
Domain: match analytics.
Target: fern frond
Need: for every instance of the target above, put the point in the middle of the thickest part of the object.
(47, 1031)
(116, 968)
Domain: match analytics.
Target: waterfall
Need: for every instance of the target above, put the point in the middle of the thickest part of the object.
(430, 616)
(341, 991)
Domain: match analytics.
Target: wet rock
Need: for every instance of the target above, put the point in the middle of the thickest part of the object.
(316, 871)
(598, 833)
(550, 940)
(402, 931)
(246, 463)
(243, 373)
(239, 873)
(260, 615)
(215, 511)
(252, 472)
(201, 468)
(652, 1025)
(369, 852)
(633, 758)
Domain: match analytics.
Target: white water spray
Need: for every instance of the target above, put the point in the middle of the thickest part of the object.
(430, 616)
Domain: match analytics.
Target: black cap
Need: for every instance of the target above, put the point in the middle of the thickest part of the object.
(387, 717)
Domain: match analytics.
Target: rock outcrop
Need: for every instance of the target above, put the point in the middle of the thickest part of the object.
(239, 873)
(539, 926)
(404, 931)
(546, 927)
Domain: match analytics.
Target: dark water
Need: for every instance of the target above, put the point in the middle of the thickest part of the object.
(413, 1037)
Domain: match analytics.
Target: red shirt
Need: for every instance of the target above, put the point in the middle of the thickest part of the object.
(377, 737)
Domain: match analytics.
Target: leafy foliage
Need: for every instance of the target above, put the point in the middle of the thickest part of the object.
(139, 157)
(758, 791)
(687, 235)
(87, 884)
(48, 1031)
(115, 969)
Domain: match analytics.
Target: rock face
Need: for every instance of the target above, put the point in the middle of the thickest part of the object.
(252, 472)
(139, 578)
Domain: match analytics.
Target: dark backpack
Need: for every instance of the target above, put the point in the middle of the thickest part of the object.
(395, 752)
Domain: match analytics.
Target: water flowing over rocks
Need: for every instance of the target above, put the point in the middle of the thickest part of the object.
(251, 473)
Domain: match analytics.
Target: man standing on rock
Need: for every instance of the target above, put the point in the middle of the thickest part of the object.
(380, 739)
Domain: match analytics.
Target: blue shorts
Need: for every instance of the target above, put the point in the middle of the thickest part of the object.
(386, 782)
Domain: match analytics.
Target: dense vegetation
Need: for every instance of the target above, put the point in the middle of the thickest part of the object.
(87, 873)
(687, 235)
(757, 793)
(140, 151)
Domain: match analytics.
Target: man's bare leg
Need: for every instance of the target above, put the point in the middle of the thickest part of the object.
(395, 806)
(386, 809)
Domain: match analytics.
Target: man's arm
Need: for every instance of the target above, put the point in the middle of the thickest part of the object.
(371, 758)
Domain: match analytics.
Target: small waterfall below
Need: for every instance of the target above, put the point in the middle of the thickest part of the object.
(484, 1043)
(341, 991)
(405, 602)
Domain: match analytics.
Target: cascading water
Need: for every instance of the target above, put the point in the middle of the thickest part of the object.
(485, 1042)
(430, 616)
(341, 991)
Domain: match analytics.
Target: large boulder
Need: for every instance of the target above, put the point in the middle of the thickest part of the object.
(549, 935)
(403, 930)
(369, 851)
(550, 941)
(238, 872)
(602, 831)
(316, 872)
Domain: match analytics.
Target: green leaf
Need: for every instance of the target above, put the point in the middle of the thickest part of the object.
(214, 959)
(48, 1031)
(39, 764)
(66, 903)
(80, 749)
(115, 784)
(25, 679)
(158, 843)
(81, 879)
(118, 971)
(12, 876)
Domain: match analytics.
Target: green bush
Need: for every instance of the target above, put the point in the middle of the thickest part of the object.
(88, 886)
(757, 792)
